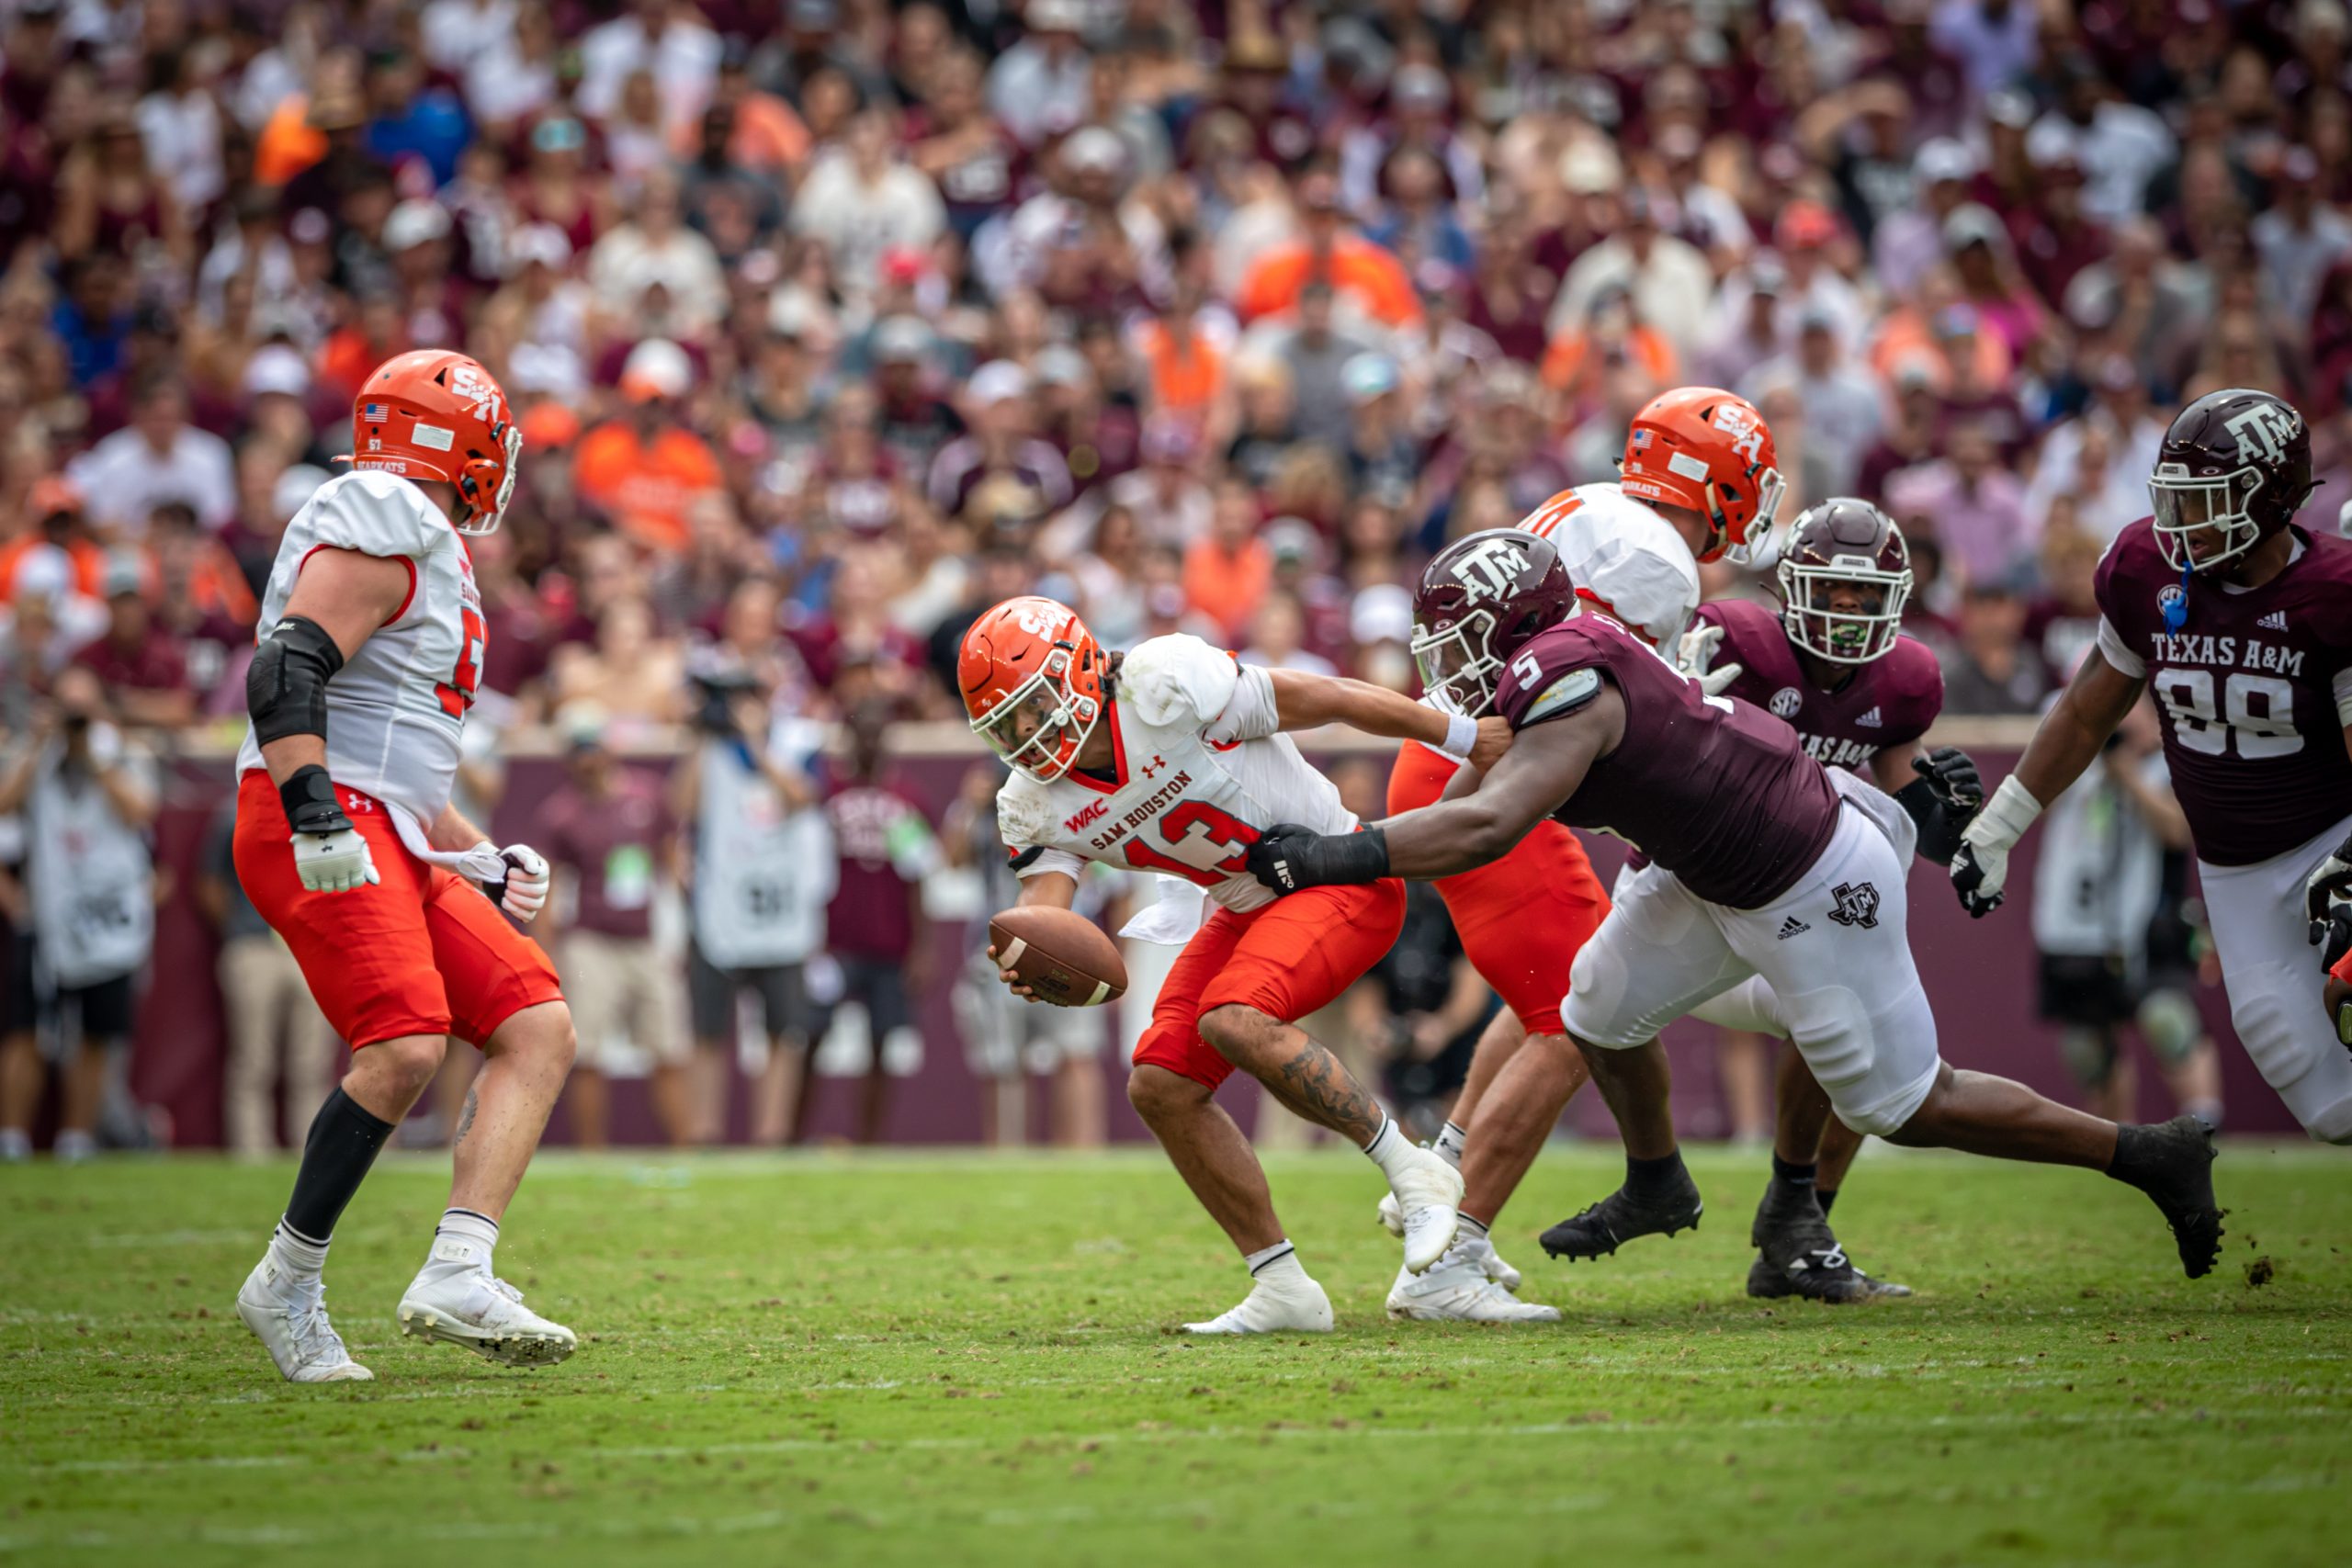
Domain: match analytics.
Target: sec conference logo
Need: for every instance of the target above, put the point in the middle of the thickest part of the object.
(1785, 702)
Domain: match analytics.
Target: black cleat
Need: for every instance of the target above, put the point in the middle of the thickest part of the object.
(1768, 1284)
(1797, 1246)
(1623, 1214)
(2172, 1164)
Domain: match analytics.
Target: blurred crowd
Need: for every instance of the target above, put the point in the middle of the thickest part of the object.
(1216, 316)
(832, 322)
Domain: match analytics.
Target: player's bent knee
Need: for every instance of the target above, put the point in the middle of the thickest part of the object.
(1159, 1095)
(401, 1067)
(543, 1033)
(1236, 1027)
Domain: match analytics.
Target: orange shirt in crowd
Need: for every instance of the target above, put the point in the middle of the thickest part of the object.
(649, 489)
(1186, 373)
(1227, 585)
(767, 135)
(1360, 269)
(89, 564)
(289, 142)
(1569, 365)
(1908, 337)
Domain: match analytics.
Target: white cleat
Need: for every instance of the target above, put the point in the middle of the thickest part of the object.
(1429, 1196)
(1480, 1251)
(464, 1303)
(289, 1315)
(1457, 1291)
(1392, 1215)
(1268, 1311)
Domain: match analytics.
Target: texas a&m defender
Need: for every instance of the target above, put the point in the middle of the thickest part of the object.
(1759, 863)
(2240, 620)
(1704, 461)
(1173, 759)
(1833, 663)
(371, 641)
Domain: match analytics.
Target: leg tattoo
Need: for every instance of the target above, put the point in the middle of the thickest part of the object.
(465, 1117)
(1316, 1085)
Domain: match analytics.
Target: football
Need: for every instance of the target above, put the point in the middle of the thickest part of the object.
(1062, 955)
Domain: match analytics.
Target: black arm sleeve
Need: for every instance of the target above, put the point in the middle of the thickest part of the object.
(1938, 821)
(286, 686)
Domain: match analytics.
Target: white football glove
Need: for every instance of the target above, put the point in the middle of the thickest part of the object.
(1697, 651)
(1980, 871)
(527, 882)
(333, 862)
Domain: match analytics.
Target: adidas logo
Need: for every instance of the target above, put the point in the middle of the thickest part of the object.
(2276, 621)
(1792, 926)
(1870, 720)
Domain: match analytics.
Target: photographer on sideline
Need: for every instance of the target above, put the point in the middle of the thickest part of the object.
(761, 865)
(88, 797)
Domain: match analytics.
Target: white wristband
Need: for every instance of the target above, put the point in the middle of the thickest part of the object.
(1461, 736)
(2008, 814)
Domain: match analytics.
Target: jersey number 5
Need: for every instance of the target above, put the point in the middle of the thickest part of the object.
(2187, 696)
(1218, 829)
(457, 692)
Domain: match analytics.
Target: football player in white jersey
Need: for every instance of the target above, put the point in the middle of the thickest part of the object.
(1173, 759)
(371, 642)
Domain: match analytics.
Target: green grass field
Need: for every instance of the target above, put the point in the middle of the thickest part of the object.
(963, 1358)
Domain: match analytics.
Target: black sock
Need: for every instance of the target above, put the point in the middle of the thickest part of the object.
(1653, 1173)
(2134, 1160)
(335, 1157)
(1824, 1196)
(1793, 1174)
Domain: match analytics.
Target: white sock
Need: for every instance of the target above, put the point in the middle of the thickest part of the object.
(1472, 1230)
(72, 1144)
(1276, 1267)
(476, 1229)
(1390, 1150)
(1451, 1141)
(296, 1253)
(14, 1145)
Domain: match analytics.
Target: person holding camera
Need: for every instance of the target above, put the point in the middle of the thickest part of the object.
(760, 870)
(88, 797)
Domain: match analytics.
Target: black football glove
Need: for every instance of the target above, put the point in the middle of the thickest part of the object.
(1981, 887)
(2327, 902)
(1289, 857)
(1952, 773)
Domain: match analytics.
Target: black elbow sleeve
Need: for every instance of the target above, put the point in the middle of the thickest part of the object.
(1940, 822)
(286, 686)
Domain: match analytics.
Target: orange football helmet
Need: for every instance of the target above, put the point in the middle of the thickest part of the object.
(1709, 450)
(1032, 677)
(433, 414)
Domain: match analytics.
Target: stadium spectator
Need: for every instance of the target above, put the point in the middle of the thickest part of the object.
(274, 1032)
(88, 795)
(875, 928)
(159, 457)
(608, 835)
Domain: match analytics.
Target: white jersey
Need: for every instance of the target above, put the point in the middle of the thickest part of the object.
(1199, 772)
(763, 872)
(1625, 558)
(92, 878)
(397, 710)
(2101, 870)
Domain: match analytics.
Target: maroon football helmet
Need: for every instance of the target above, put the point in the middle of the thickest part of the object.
(1481, 598)
(1844, 541)
(2234, 467)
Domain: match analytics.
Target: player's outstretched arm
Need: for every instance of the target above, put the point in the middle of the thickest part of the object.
(1303, 701)
(2073, 732)
(1545, 765)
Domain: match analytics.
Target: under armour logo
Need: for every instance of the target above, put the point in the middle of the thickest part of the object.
(1857, 905)
(1154, 766)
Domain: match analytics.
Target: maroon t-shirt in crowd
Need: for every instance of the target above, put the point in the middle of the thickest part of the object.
(2247, 690)
(1889, 702)
(1717, 792)
(612, 846)
(155, 664)
(880, 834)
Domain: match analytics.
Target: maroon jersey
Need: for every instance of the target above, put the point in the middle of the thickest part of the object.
(1890, 701)
(2251, 689)
(613, 846)
(884, 844)
(1717, 792)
